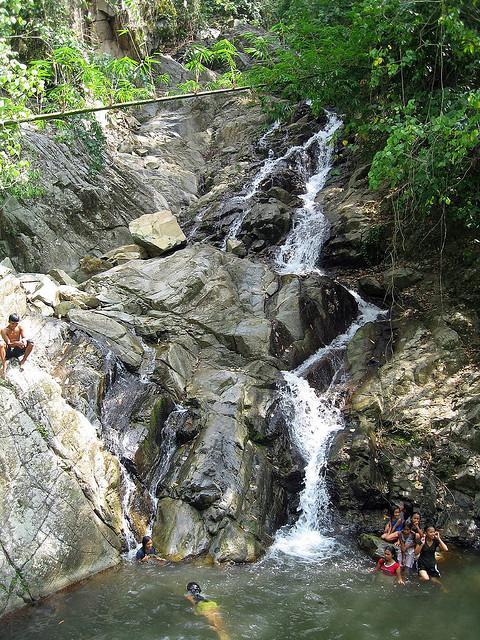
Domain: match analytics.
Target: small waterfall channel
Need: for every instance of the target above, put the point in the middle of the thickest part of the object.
(165, 454)
(299, 154)
(125, 393)
(313, 416)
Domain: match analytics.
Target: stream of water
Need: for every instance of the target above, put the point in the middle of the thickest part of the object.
(312, 584)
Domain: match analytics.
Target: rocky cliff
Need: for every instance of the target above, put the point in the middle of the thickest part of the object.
(151, 399)
(60, 511)
(414, 380)
(151, 395)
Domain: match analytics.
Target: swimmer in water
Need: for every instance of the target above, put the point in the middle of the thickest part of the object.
(147, 551)
(207, 608)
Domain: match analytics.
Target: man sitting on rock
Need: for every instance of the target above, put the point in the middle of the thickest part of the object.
(14, 345)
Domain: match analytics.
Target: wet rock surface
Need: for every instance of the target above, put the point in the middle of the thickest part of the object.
(413, 379)
(415, 435)
(212, 319)
(167, 366)
(161, 392)
(60, 508)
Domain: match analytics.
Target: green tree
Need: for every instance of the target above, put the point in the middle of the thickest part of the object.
(405, 75)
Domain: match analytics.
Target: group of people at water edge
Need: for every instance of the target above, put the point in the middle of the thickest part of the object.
(411, 549)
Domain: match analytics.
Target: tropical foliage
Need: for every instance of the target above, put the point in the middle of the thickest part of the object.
(67, 75)
(406, 76)
(221, 56)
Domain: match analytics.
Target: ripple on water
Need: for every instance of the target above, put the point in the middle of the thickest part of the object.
(281, 598)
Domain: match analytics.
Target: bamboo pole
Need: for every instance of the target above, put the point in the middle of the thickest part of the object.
(56, 115)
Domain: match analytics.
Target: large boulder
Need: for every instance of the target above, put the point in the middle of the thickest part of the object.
(40, 288)
(212, 319)
(157, 232)
(179, 530)
(77, 297)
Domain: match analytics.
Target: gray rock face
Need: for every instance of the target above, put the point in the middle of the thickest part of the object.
(119, 339)
(61, 277)
(81, 213)
(422, 398)
(13, 298)
(214, 318)
(60, 512)
(162, 161)
(348, 204)
(123, 254)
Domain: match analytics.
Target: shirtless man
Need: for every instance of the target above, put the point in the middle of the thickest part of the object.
(15, 344)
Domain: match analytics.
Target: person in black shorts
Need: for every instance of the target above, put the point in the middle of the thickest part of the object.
(425, 549)
(14, 344)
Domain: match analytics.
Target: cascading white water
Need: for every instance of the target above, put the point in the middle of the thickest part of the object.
(251, 191)
(302, 248)
(263, 142)
(267, 169)
(314, 417)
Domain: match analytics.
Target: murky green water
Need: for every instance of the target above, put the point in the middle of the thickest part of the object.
(276, 599)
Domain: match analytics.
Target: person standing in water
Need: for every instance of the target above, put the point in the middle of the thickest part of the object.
(406, 552)
(388, 565)
(147, 551)
(425, 549)
(207, 608)
(15, 344)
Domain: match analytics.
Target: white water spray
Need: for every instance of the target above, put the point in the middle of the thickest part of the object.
(314, 417)
(263, 142)
(303, 246)
(268, 169)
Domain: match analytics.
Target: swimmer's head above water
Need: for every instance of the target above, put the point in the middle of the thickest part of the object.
(193, 589)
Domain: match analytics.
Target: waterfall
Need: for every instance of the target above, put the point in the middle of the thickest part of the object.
(314, 416)
(303, 246)
(250, 190)
(263, 142)
(313, 419)
(297, 153)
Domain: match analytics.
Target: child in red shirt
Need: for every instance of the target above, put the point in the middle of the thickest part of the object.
(388, 565)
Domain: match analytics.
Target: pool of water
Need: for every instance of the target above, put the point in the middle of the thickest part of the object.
(279, 598)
